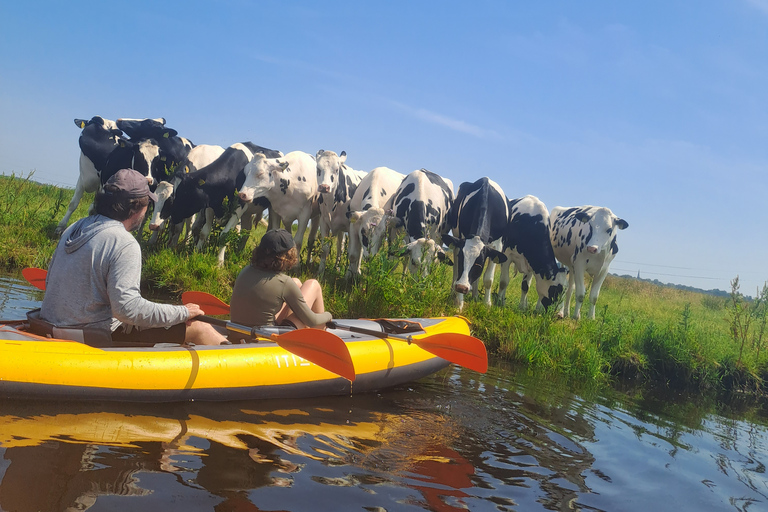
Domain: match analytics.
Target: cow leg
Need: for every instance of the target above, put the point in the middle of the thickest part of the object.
(315, 224)
(354, 249)
(565, 307)
(501, 298)
(578, 277)
(233, 222)
(594, 291)
(525, 285)
(71, 208)
(325, 233)
(207, 228)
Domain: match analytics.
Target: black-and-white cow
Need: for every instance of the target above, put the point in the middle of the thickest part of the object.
(213, 187)
(420, 206)
(478, 218)
(584, 240)
(98, 138)
(527, 245)
(367, 214)
(290, 184)
(337, 184)
(198, 157)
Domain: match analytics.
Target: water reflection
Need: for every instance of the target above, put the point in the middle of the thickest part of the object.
(455, 441)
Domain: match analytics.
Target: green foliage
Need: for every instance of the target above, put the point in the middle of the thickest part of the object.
(643, 332)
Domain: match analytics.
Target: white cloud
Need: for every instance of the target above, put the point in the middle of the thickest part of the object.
(761, 5)
(447, 122)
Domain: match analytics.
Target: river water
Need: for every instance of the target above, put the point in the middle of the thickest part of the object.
(503, 441)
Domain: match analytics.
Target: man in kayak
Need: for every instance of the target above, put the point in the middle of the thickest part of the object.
(264, 295)
(93, 280)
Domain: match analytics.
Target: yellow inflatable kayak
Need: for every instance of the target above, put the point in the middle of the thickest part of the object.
(37, 367)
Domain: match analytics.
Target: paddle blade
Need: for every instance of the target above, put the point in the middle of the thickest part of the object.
(35, 277)
(323, 348)
(211, 304)
(464, 350)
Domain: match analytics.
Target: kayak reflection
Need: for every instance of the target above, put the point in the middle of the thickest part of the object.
(84, 451)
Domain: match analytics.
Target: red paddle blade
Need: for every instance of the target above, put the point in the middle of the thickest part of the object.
(323, 348)
(211, 304)
(35, 277)
(464, 350)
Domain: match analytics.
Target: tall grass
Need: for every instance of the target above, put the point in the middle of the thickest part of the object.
(642, 332)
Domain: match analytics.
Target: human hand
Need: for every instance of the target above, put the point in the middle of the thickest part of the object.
(194, 310)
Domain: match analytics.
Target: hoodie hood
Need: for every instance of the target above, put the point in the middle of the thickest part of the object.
(86, 228)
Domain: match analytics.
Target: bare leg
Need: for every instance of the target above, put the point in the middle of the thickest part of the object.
(313, 295)
(201, 333)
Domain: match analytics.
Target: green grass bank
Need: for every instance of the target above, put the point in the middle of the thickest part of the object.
(643, 333)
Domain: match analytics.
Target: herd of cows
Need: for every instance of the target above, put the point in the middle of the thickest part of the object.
(235, 185)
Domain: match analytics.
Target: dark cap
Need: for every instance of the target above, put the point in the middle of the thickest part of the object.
(276, 241)
(130, 184)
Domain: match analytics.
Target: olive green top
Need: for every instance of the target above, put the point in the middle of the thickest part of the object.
(259, 294)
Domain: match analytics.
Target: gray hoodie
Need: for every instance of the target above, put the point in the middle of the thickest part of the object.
(93, 280)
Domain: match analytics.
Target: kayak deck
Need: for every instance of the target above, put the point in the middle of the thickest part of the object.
(36, 367)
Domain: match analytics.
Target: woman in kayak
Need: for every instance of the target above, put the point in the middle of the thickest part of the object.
(264, 295)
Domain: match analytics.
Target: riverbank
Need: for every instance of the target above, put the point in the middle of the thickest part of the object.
(642, 332)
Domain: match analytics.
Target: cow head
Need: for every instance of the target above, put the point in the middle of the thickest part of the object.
(603, 226)
(470, 255)
(101, 123)
(421, 253)
(550, 288)
(261, 175)
(371, 225)
(145, 128)
(162, 210)
(329, 165)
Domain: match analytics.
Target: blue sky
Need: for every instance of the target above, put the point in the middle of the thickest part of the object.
(655, 109)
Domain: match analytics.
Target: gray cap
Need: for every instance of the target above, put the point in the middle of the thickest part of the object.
(130, 184)
(277, 241)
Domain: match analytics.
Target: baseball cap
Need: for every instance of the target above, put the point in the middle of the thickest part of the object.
(130, 184)
(276, 241)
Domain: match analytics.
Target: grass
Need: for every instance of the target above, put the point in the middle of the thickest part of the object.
(642, 333)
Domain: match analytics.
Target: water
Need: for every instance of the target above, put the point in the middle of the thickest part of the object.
(455, 441)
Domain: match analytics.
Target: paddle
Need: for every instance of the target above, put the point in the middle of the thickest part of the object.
(464, 350)
(35, 277)
(461, 349)
(317, 346)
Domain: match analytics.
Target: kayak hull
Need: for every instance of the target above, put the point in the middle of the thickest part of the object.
(34, 367)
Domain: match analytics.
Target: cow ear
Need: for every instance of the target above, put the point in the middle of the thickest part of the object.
(80, 123)
(169, 132)
(582, 217)
(319, 152)
(496, 256)
(354, 216)
(450, 241)
(343, 157)
(621, 224)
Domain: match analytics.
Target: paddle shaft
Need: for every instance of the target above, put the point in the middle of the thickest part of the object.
(253, 332)
(333, 324)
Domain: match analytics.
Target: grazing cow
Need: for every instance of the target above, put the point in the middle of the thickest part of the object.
(213, 187)
(290, 184)
(420, 205)
(584, 240)
(99, 137)
(367, 214)
(336, 183)
(478, 218)
(527, 245)
(198, 157)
